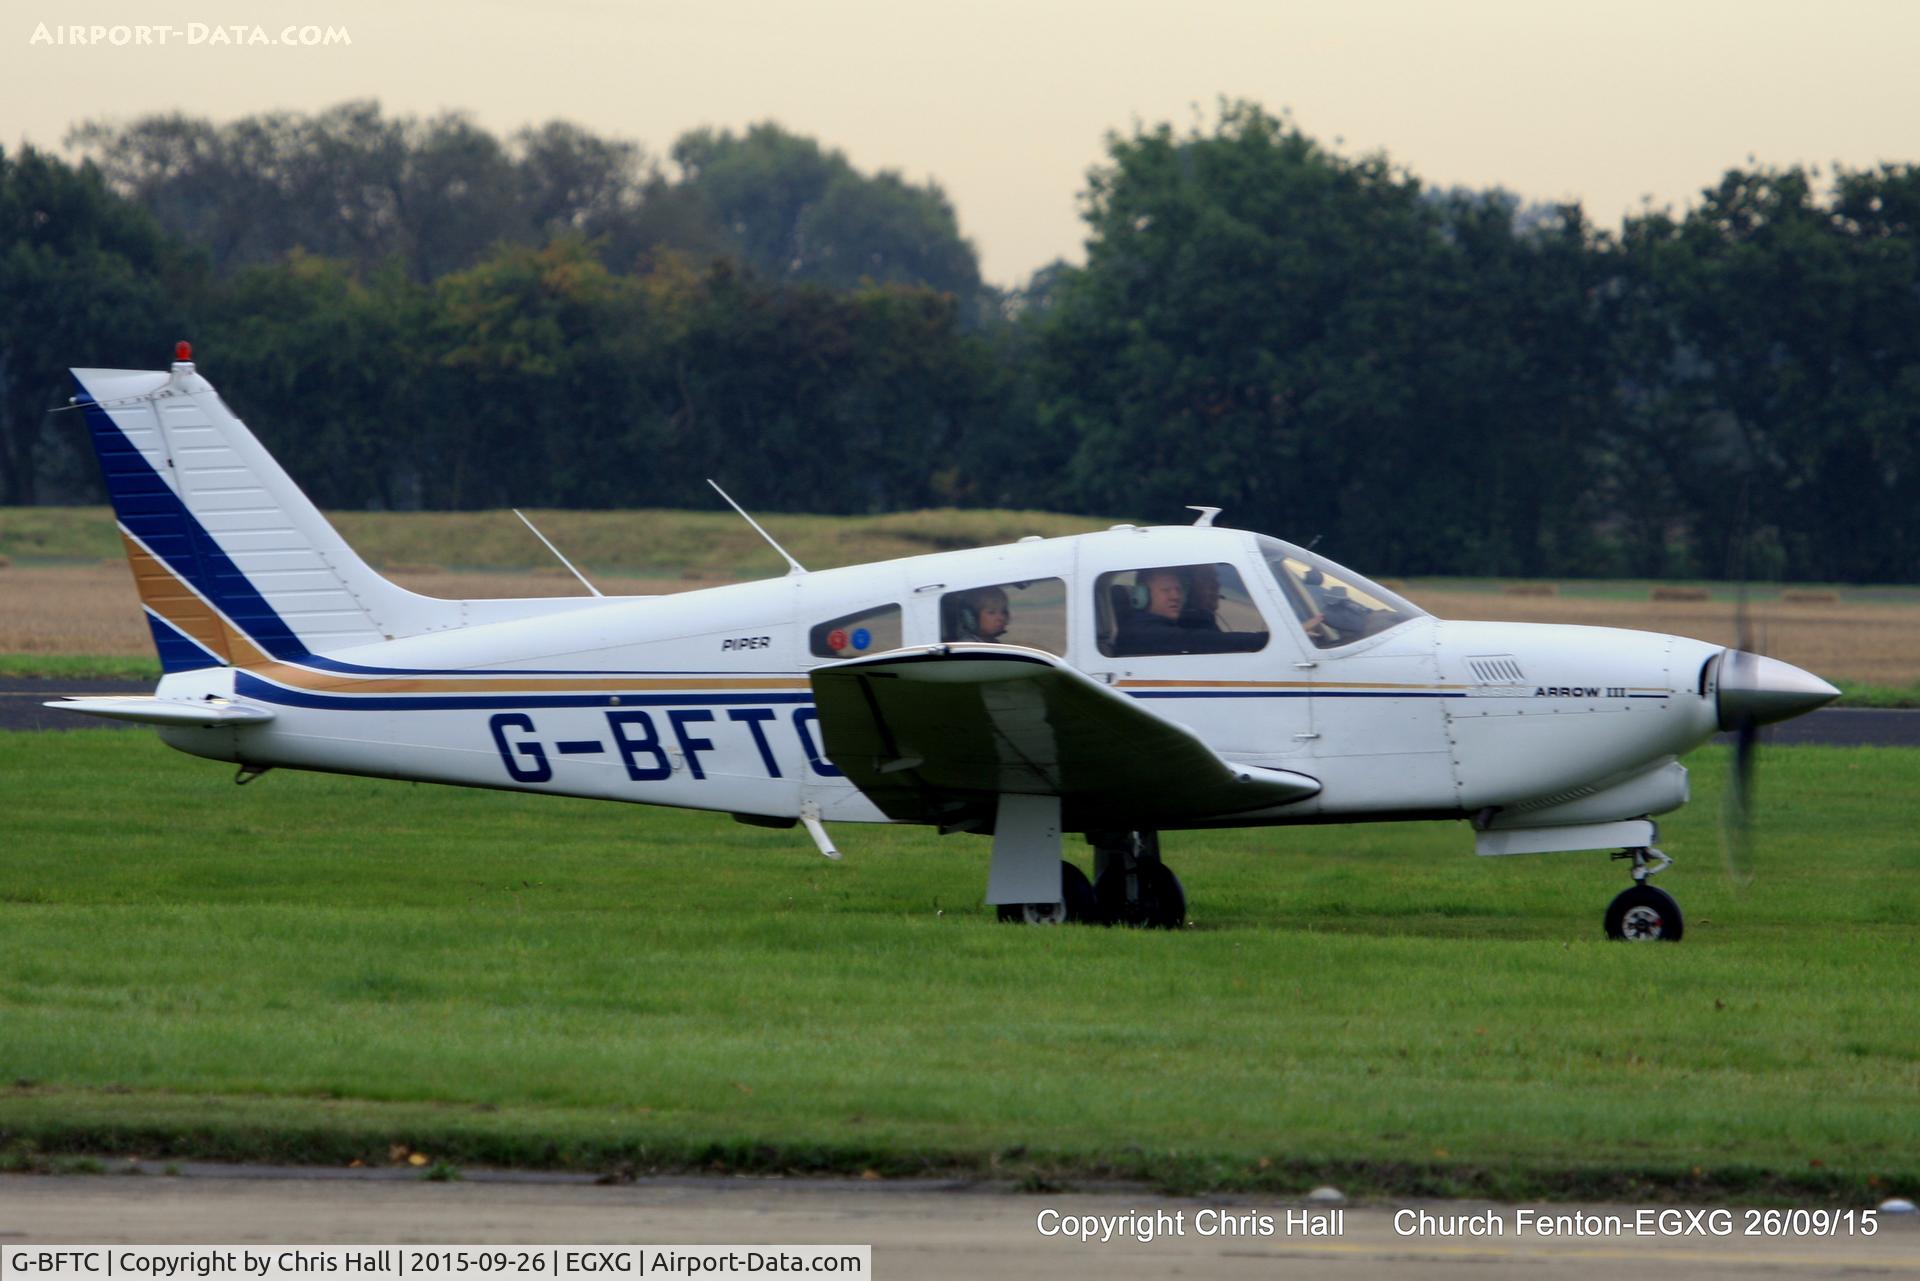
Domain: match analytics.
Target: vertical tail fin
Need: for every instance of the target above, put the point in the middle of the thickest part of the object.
(229, 556)
(234, 564)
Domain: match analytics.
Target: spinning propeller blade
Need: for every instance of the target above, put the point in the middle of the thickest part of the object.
(1755, 690)
(1736, 829)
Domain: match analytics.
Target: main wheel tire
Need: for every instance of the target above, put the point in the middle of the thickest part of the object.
(1161, 903)
(1643, 914)
(1077, 905)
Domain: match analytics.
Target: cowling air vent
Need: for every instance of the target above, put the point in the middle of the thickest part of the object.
(1496, 669)
(1548, 802)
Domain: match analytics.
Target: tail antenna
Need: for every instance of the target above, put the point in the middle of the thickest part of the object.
(794, 566)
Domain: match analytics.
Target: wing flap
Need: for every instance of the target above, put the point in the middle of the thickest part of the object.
(932, 732)
(144, 709)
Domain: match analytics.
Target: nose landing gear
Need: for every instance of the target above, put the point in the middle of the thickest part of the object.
(1641, 913)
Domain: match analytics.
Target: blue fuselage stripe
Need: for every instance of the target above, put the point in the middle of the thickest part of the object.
(250, 686)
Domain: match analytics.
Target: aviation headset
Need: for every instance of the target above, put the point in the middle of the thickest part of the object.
(966, 607)
(1138, 596)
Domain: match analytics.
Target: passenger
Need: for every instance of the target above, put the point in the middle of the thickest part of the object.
(981, 615)
(1203, 599)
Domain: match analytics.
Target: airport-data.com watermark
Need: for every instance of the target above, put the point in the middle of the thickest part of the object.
(188, 35)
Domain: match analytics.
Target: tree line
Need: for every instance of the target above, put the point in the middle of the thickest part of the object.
(415, 313)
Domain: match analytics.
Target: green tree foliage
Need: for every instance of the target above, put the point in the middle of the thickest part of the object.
(857, 401)
(539, 367)
(325, 367)
(795, 211)
(1772, 360)
(541, 378)
(1513, 396)
(343, 183)
(436, 195)
(85, 278)
(415, 312)
(1311, 343)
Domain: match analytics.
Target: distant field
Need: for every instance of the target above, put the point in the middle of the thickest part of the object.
(631, 544)
(328, 970)
(68, 591)
(1874, 642)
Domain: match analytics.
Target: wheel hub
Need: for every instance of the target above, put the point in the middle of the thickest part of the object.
(1044, 913)
(1642, 923)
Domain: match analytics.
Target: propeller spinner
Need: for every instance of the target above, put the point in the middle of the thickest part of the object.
(1755, 690)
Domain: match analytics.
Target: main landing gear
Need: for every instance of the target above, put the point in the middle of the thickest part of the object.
(1078, 906)
(1641, 913)
(1130, 886)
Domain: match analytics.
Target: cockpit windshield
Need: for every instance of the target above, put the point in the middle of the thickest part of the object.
(1336, 606)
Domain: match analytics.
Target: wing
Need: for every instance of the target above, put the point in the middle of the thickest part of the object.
(935, 734)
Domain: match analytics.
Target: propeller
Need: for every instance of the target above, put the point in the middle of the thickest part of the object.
(1736, 825)
(1736, 816)
(1753, 690)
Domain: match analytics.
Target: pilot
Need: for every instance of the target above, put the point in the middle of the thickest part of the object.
(1330, 600)
(981, 615)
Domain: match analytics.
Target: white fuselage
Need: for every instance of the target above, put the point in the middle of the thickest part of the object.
(702, 699)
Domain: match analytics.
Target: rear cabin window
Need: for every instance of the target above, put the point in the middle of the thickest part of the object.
(1031, 613)
(1177, 609)
(851, 635)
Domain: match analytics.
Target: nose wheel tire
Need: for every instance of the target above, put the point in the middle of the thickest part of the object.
(1643, 914)
(1077, 905)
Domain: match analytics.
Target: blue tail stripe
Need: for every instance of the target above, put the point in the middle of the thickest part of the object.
(154, 514)
(178, 651)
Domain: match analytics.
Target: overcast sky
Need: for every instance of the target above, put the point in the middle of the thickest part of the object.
(1006, 103)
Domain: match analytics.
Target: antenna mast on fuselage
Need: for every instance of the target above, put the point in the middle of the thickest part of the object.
(795, 567)
(556, 551)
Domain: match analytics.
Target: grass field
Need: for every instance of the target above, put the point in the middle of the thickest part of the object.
(326, 970)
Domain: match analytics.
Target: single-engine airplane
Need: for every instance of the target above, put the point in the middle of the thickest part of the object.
(1114, 684)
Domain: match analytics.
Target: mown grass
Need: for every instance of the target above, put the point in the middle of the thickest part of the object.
(80, 667)
(317, 969)
(1858, 694)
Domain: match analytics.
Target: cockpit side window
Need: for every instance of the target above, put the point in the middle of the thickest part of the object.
(1177, 609)
(868, 631)
(1335, 606)
(1031, 613)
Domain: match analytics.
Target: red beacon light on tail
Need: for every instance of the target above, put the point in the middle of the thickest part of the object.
(182, 351)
